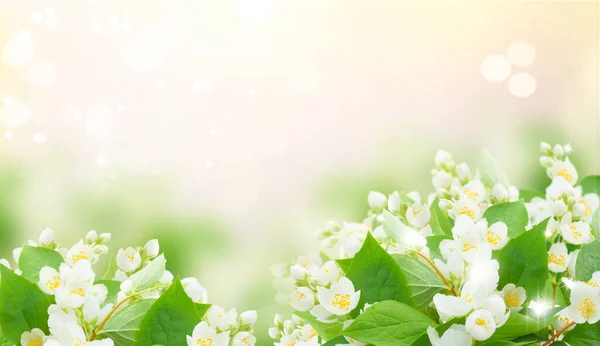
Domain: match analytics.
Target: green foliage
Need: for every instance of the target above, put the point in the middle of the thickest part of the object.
(490, 171)
(588, 261)
(527, 195)
(591, 184)
(524, 261)
(375, 273)
(23, 306)
(327, 331)
(34, 258)
(422, 281)
(124, 325)
(584, 335)
(149, 275)
(519, 325)
(433, 244)
(170, 318)
(344, 264)
(439, 222)
(113, 288)
(423, 340)
(389, 323)
(513, 214)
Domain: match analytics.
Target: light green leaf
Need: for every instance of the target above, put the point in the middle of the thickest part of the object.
(519, 325)
(591, 184)
(389, 323)
(327, 331)
(394, 228)
(524, 261)
(513, 214)
(149, 275)
(490, 171)
(23, 306)
(375, 273)
(201, 309)
(423, 340)
(113, 288)
(588, 261)
(527, 195)
(4, 341)
(109, 274)
(439, 221)
(340, 340)
(433, 244)
(34, 258)
(124, 325)
(422, 281)
(344, 264)
(596, 224)
(584, 335)
(170, 319)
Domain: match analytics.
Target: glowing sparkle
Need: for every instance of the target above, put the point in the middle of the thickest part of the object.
(568, 148)
(18, 52)
(495, 68)
(39, 138)
(522, 84)
(568, 282)
(539, 307)
(13, 113)
(42, 73)
(521, 54)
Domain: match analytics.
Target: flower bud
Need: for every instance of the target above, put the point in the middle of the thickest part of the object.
(102, 249)
(46, 237)
(546, 161)
(545, 148)
(513, 193)
(442, 158)
(288, 326)
(105, 237)
(298, 272)
(91, 237)
(463, 172)
(445, 204)
(376, 200)
(127, 286)
(248, 318)
(578, 210)
(558, 208)
(278, 320)
(394, 202)
(274, 333)
(558, 150)
(166, 278)
(120, 276)
(17, 254)
(499, 192)
(151, 248)
(442, 180)
(455, 192)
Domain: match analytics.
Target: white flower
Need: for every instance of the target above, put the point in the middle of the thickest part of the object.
(451, 306)
(563, 320)
(105, 237)
(194, 290)
(302, 299)
(587, 205)
(92, 311)
(497, 235)
(485, 272)
(394, 202)
(480, 324)
(91, 237)
(466, 206)
(72, 294)
(572, 262)
(474, 190)
(327, 274)
(456, 335)
(418, 215)
(17, 254)
(204, 334)
(73, 335)
(340, 299)
(128, 259)
(377, 200)
(286, 340)
(558, 188)
(514, 297)
(513, 193)
(151, 248)
(442, 157)
(50, 280)
(80, 252)
(496, 306)
(558, 208)
(585, 304)
(298, 272)
(120, 275)
(46, 237)
(499, 192)
(575, 233)
(248, 318)
(322, 314)
(462, 171)
(242, 339)
(442, 180)
(558, 258)
(59, 317)
(217, 317)
(33, 338)
(564, 169)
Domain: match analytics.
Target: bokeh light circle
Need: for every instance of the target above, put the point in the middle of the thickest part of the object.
(522, 84)
(42, 73)
(495, 68)
(13, 113)
(521, 54)
(18, 52)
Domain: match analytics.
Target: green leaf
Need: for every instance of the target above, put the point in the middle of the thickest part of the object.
(149, 275)
(170, 319)
(588, 261)
(389, 323)
(490, 171)
(4, 341)
(584, 335)
(422, 281)
(109, 274)
(344, 264)
(513, 214)
(433, 244)
(340, 340)
(394, 229)
(423, 340)
(591, 184)
(439, 221)
(124, 325)
(524, 261)
(375, 273)
(327, 331)
(527, 195)
(34, 258)
(201, 309)
(596, 224)
(23, 306)
(113, 288)
(519, 325)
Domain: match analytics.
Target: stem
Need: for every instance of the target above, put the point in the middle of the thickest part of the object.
(557, 334)
(439, 273)
(554, 285)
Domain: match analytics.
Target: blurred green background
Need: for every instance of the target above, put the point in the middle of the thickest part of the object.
(233, 131)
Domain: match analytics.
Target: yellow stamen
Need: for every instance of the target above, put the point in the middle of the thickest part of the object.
(480, 322)
(340, 301)
(565, 174)
(466, 211)
(512, 300)
(492, 238)
(205, 342)
(555, 259)
(587, 308)
(53, 283)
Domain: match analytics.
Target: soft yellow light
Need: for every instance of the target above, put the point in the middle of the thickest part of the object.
(495, 68)
(42, 73)
(522, 84)
(18, 52)
(13, 113)
(521, 54)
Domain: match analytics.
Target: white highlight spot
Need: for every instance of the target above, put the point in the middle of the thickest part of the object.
(495, 68)
(202, 85)
(539, 307)
(254, 11)
(13, 113)
(209, 164)
(102, 161)
(42, 73)
(522, 84)
(18, 52)
(39, 138)
(8, 135)
(521, 53)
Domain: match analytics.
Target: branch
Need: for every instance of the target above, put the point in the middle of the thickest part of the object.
(557, 334)
(439, 273)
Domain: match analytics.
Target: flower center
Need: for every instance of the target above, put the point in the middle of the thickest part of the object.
(205, 342)
(300, 296)
(466, 211)
(470, 194)
(130, 257)
(512, 300)
(565, 174)
(78, 291)
(587, 308)
(416, 211)
(592, 283)
(559, 260)
(79, 256)
(53, 283)
(35, 342)
(492, 237)
(77, 341)
(468, 247)
(341, 301)
(481, 322)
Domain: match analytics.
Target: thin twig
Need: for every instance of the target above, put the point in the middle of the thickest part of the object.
(557, 334)
(437, 270)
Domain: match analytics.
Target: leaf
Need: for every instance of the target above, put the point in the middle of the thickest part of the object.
(584, 335)
(170, 319)
(527, 195)
(423, 340)
(513, 214)
(519, 325)
(433, 244)
(524, 261)
(149, 275)
(588, 261)
(596, 224)
(109, 274)
(340, 340)
(375, 273)
(393, 227)
(389, 323)
(124, 325)
(4, 341)
(422, 281)
(439, 222)
(591, 184)
(34, 258)
(490, 171)
(327, 331)
(23, 306)
(113, 288)
(344, 264)
(201, 309)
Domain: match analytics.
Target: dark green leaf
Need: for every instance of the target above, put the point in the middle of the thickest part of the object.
(34, 258)
(389, 323)
(23, 306)
(519, 325)
(422, 281)
(524, 261)
(588, 261)
(170, 319)
(340, 340)
(113, 288)
(124, 325)
(327, 331)
(513, 214)
(584, 335)
(591, 184)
